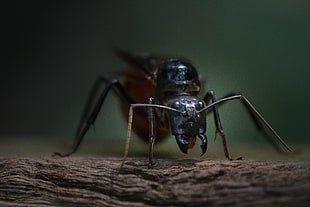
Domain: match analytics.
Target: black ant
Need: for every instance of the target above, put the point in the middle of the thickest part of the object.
(164, 93)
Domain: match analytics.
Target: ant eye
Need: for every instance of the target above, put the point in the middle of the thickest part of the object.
(201, 104)
(177, 104)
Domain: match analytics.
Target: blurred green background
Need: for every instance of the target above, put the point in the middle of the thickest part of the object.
(52, 52)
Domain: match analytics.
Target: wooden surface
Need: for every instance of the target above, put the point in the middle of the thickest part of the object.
(95, 181)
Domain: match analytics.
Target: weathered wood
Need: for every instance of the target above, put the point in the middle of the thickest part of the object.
(94, 181)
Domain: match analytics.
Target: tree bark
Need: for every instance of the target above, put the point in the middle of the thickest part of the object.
(97, 181)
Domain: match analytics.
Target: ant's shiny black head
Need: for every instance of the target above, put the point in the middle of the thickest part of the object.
(188, 124)
(176, 77)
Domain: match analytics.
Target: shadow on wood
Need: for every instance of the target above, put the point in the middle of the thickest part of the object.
(94, 181)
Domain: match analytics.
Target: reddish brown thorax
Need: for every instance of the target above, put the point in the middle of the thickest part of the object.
(141, 89)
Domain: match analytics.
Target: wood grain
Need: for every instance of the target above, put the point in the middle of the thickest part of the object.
(95, 181)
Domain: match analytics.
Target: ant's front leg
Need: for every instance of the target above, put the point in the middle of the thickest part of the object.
(218, 125)
(89, 115)
(151, 133)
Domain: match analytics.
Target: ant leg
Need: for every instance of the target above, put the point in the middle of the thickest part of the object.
(120, 91)
(88, 117)
(252, 108)
(219, 129)
(151, 133)
(257, 123)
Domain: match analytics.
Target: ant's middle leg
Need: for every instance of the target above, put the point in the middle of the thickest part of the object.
(257, 123)
(251, 108)
(89, 115)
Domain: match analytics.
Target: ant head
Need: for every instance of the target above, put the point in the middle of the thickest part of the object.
(188, 121)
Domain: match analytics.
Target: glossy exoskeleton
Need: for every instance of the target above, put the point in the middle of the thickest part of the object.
(163, 92)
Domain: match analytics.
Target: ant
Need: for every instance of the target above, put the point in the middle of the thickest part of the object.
(164, 93)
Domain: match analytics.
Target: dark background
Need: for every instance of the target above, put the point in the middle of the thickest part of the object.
(52, 51)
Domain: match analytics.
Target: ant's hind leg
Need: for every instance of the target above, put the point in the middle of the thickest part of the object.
(111, 84)
(89, 114)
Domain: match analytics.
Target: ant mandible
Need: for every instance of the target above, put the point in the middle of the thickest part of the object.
(164, 93)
